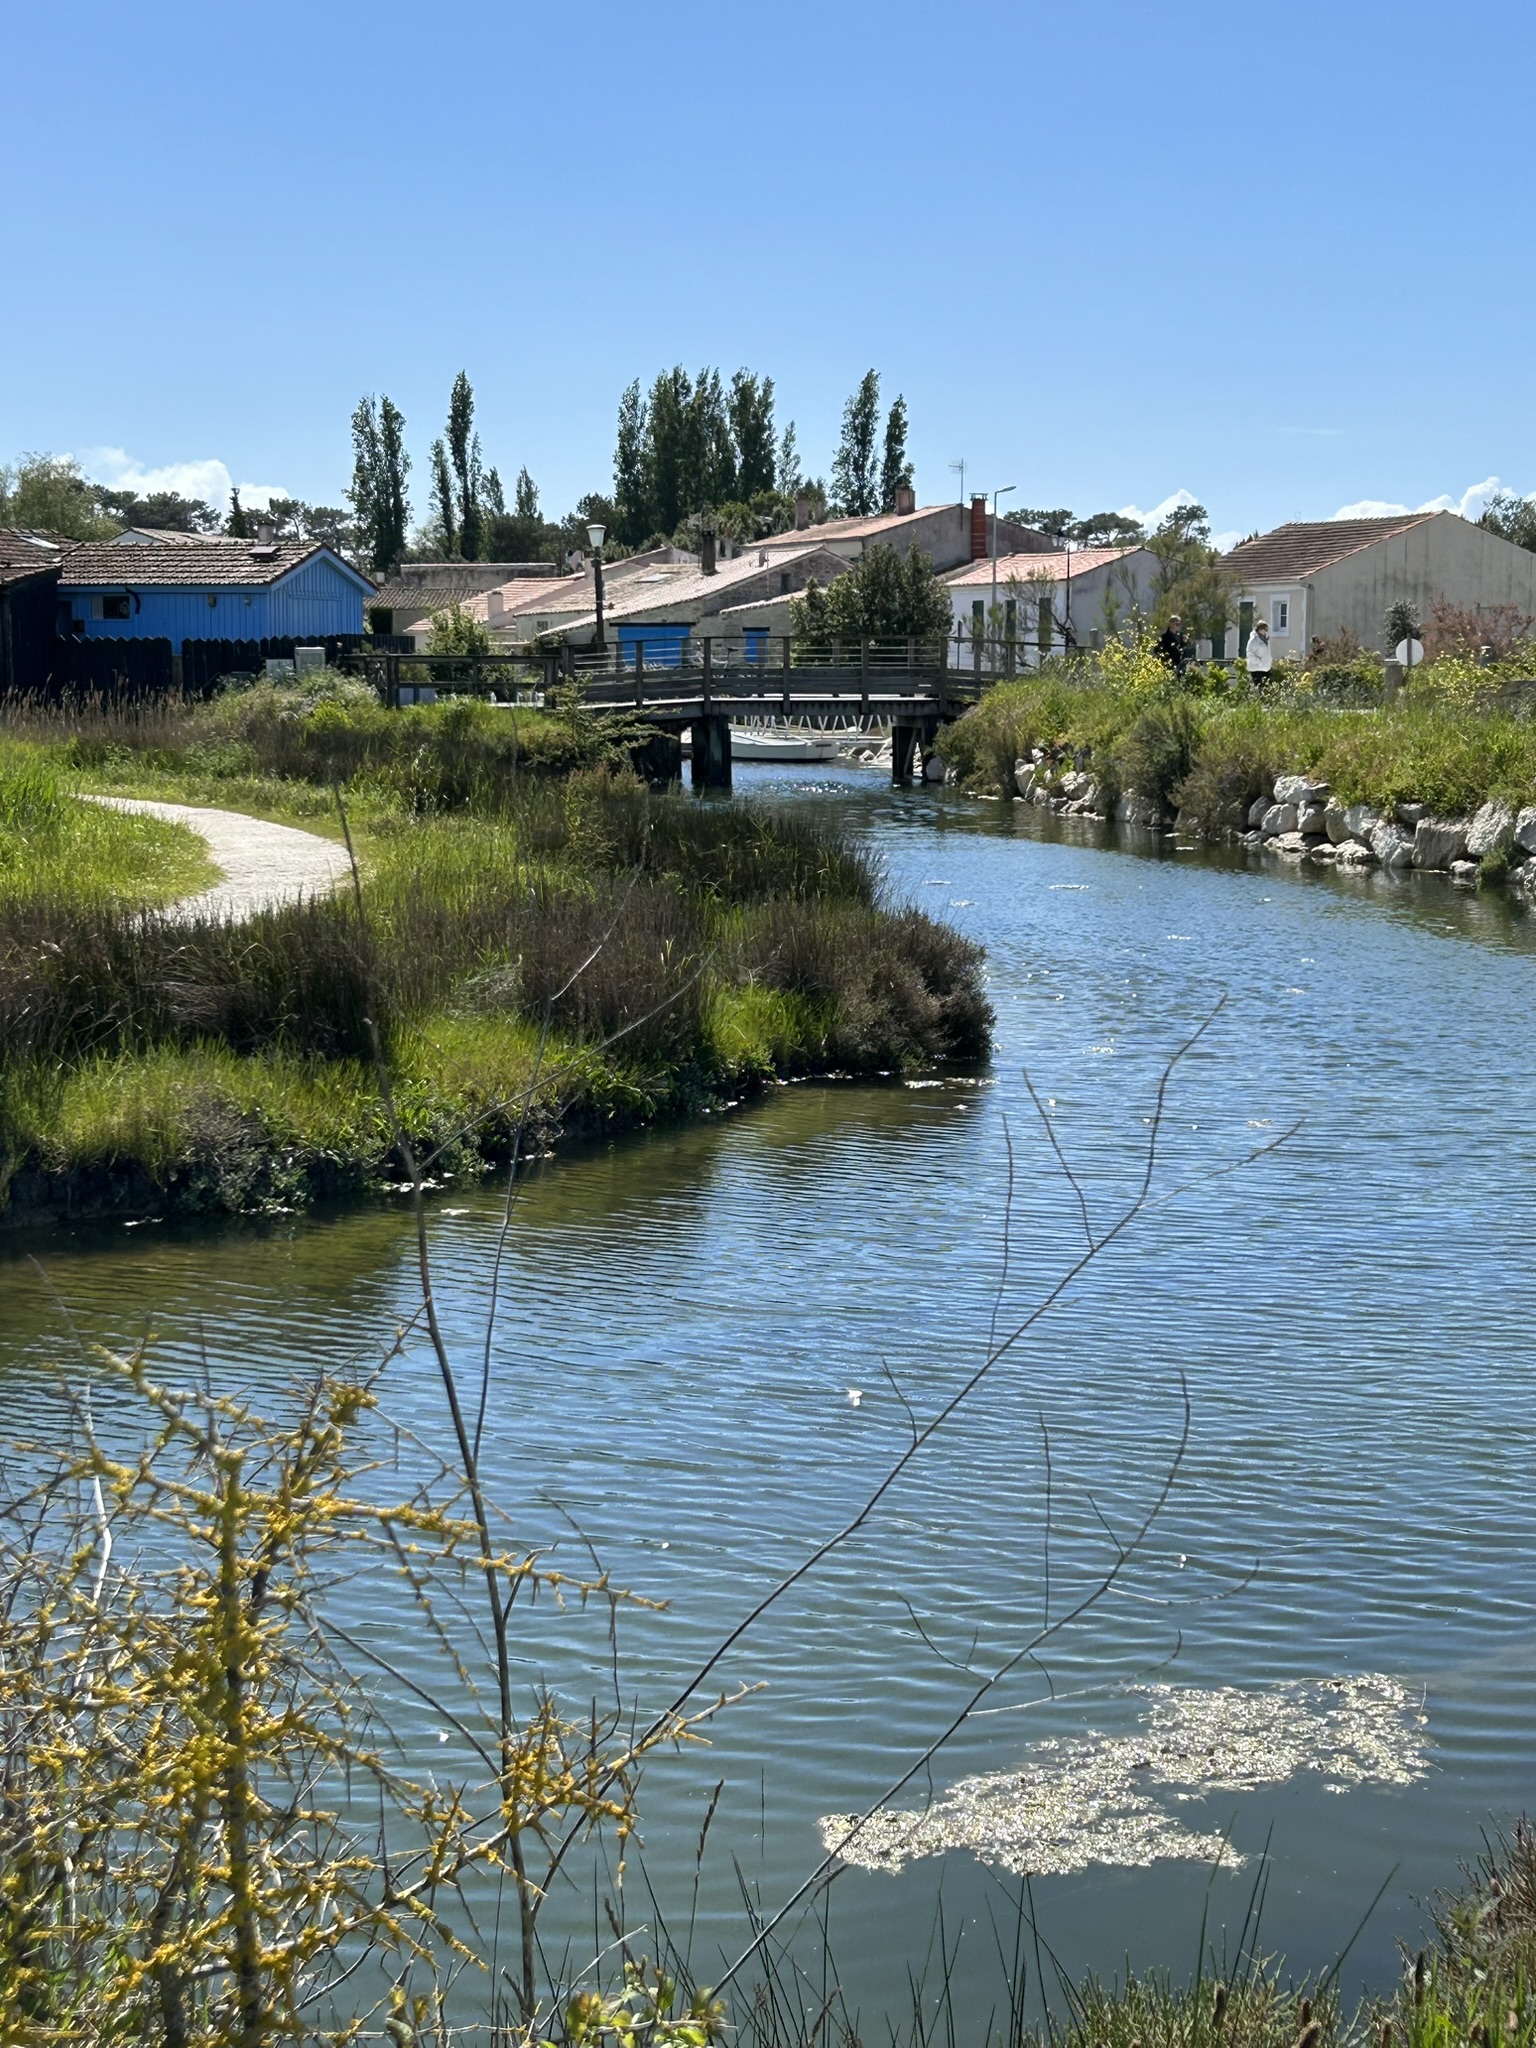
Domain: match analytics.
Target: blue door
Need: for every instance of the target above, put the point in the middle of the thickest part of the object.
(664, 646)
(756, 638)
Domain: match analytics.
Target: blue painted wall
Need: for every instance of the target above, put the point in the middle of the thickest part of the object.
(663, 645)
(319, 597)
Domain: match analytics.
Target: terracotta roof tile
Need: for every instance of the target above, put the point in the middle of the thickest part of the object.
(215, 564)
(1025, 566)
(1305, 545)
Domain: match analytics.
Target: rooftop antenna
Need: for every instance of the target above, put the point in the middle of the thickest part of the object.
(960, 465)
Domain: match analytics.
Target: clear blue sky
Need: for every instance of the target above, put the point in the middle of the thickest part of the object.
(1277, 257)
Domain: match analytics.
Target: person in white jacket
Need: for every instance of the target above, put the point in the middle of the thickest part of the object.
(1260, 655)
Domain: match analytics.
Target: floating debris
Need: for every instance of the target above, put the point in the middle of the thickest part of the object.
(1092, 1799)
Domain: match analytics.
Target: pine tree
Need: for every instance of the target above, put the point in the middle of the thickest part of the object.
(854, 475)
(238, 527)
(895, 468)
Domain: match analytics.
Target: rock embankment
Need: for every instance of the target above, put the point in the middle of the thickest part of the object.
(1299, 818)
(1302, 820)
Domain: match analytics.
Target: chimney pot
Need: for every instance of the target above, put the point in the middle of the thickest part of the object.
(495, 605)
(979, 526)
(906, 500)
(707, 551)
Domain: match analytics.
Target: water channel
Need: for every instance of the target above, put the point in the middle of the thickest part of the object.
(701, 1329)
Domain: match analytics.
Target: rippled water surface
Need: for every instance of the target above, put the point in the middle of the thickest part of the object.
(690, 1314)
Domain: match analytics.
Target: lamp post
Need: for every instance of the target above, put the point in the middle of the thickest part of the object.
(992, 613)
(595, 535)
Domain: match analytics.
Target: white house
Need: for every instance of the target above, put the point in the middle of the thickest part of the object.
(1077, 597)
(1315, 579)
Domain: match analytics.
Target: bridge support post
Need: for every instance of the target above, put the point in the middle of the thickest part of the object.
(903, 751)
(711, 759)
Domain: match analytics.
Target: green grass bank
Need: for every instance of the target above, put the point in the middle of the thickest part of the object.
(1203, 754)
(539, 939)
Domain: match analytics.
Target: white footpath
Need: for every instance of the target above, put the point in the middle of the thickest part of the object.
(263, 865)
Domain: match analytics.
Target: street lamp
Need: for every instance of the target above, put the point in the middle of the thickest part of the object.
(595, 535)
(992, 614)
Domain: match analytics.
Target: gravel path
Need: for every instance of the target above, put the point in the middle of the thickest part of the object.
(264, 865)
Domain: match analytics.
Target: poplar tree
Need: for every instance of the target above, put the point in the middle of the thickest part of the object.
(750, 407)
(380, 508)
(237, 526)
(855, 478)
(895, 468)
(442, 497)
(464, 453)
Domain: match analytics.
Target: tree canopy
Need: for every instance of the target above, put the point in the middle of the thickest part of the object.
(881, 597)
(1192, 582)
(1512, 518)
(381, 510)
(691, 445)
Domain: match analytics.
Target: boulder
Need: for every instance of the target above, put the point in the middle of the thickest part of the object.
(1299, 789)
(1075, 785)
(1322, 849)
(1391, 845)
(1353, 853)
(1291, 844)
(1464, 873)
(1491, 831)
(1362, 820)
(1260, 805)
(1408, 815)
(1525, 829)
(1439, 841)
(933, 769)
(1254, 838)
(1312, 820)
(1277, 819)
(1336, 823)
(1023, 778)
(1133, 809)
(1041, 793)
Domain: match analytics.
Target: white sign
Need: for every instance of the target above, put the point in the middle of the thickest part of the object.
(1410, 652)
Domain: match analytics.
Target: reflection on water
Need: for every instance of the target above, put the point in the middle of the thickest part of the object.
(685, 1314)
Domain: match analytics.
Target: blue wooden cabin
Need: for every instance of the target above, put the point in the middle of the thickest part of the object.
(210, 590)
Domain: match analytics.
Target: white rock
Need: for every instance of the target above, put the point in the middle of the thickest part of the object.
(1492, 830)
(1312, 819)
(1353, 853)
(1408, 815)
(1075, 786)
(933, 769)
(1336, 823)
(1362, 820)
(1464, 872)
(1023, 778)
(1391, 845)
(1299, 789)
(1277, 819)
(1439, 841)
(1525, 829)
(1322, 849)
(1291, 844)
(1259, 806)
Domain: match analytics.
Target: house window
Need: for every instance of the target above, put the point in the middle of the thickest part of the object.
(115, 606)
(783, 581)
(1279, 616)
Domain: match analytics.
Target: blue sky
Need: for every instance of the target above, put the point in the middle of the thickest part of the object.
(1276, 257)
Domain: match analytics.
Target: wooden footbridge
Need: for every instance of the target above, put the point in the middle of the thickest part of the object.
(703, 685)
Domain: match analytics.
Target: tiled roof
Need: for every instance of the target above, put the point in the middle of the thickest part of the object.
(215, 564)
(1306, 545)
(29, 554)
(162, 536)
(1024, 566)
(691, 583)
(421, 599)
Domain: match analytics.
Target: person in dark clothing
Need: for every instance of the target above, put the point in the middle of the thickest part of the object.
(1173, 647)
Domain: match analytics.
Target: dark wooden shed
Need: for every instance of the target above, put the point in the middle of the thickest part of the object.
(29, 611)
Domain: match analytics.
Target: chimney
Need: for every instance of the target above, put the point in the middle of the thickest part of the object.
(495, 605)
(979, 548)
(802, 510)
(906, 500)
(266, 533)
(707, 550)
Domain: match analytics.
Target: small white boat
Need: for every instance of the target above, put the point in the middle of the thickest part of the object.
(781, 743)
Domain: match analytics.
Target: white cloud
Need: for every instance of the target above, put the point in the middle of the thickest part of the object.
(1470, 504)
(209, 479)
(1159, 512)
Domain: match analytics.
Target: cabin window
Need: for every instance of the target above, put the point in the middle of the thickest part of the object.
(115, 606)
(1279, 615)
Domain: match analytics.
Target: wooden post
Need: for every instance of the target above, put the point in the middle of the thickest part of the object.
(639, 675)
(567, 660)
(709, 667)
(787, 645)
(863, 676)
(903, 747)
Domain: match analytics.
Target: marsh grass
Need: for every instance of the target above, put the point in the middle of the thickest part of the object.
(661, 950)
(1433, 747)
(53, 846)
